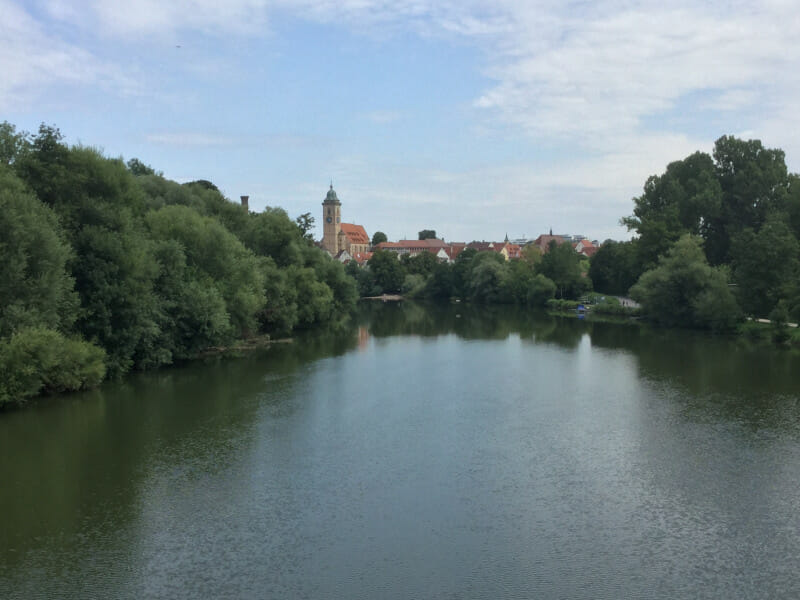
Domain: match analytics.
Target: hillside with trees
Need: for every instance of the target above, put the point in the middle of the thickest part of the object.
(109, 267)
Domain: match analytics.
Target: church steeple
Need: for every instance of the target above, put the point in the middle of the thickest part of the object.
(332, 222)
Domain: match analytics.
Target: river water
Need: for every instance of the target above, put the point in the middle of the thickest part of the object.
(419, 453)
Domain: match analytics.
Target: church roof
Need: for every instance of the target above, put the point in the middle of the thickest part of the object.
(356, 234)
(331, 197)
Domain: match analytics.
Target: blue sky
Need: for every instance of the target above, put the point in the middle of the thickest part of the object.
(475, 118)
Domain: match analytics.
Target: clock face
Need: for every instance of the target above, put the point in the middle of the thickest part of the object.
(328, 219)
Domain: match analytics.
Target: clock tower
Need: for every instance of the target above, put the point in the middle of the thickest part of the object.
(331, 219)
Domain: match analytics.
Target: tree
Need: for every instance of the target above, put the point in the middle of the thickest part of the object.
(525, 286)
(686, 198)
(561, 265)
(305, 223)
(489, 277)
(12, 144)
(764, 264)
(614, 268)
(386, 270)
(531, 254)
(272, 233)
(684, 291)
(427, 234)
(378, 238)
(217, 258)
(138, 168)
(422, 263)
(37, 360)
(36, 289)
(754, 182)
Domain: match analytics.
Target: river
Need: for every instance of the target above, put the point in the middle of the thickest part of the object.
(420, 453)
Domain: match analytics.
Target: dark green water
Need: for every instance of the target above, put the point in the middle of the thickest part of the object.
(421, 454)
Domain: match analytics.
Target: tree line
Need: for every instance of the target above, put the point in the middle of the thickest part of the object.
(109, 267)
(717, 239)
(479, 277)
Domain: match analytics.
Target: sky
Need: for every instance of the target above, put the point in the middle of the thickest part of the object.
(476, 118)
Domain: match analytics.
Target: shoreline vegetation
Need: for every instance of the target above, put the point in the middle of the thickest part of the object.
(108, 267)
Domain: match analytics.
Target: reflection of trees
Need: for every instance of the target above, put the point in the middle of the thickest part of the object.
(82, 459)
(470, 321)
(724, 377)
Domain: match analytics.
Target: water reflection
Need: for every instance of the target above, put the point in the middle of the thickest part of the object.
(418, 451)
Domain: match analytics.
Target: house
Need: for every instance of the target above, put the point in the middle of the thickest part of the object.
(343, 257)
(585, 247)
(543, 241)
(362, 257)
(414, 247)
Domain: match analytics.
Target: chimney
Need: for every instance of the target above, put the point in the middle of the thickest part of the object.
(246, 202)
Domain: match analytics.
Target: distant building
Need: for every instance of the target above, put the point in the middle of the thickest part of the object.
(338, 236)
(585, 247)
(543, 241)
(413, 247)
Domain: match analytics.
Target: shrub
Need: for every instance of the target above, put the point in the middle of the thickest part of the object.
(39, 360)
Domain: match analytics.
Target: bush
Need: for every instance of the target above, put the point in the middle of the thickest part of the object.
(40, 360)
(562, 305)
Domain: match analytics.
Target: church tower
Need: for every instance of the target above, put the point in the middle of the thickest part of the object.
(332, 223)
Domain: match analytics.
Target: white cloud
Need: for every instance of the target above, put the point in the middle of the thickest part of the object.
(591, 77)
(33, 61)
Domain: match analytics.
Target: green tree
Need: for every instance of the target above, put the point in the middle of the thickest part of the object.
(378, 238)
(684, 291)
(614, 268)
(754, 182)
(441, 283)
(305, 223)
(137, 167)
(12, 144)
(387, 271)
(315, 299)
(271, 233)
(35, 286)
(427, 234)
(765, 264)
(38, 360)
(561, 265)
(218, 258)
(489, 277)
(686, 198)
(422, 263)
(531, 254)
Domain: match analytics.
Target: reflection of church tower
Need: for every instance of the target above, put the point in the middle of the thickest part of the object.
(331, 218)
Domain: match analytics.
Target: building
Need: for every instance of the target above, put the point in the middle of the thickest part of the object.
(585, 247)
(353, 238)
(414, 247)
(543, 241)
(338, 236)
(332, 225)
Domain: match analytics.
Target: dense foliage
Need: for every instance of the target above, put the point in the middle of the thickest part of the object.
(479, 277)
(743, 208)
(108, 267)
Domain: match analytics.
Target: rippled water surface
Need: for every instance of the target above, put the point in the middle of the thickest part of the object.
(422, 453)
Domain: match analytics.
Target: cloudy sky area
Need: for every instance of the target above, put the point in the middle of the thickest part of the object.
(475, 118)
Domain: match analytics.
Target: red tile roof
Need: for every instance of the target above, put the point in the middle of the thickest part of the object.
(355, 233)
(362, 257)
(543, 241)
